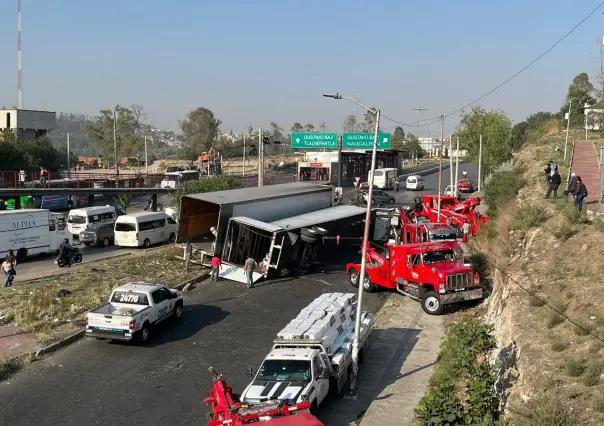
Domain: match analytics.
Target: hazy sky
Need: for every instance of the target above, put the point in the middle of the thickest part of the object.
(253, 62)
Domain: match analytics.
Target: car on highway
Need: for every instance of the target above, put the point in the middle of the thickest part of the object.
(133, 309)
(465, 185)
(451, 191)
(364, 187)
(380, 197)
(415, 183)
(98, 234)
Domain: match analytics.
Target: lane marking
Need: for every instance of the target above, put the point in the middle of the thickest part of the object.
(324, 282)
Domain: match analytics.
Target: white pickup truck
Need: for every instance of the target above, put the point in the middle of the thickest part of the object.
(312, 355)
(132, 310)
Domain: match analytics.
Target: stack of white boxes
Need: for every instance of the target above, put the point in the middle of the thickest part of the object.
(330, 319)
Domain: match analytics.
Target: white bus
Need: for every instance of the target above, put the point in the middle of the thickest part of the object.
(177, 179)
(144, 229)
(385, 178)
(79, 219)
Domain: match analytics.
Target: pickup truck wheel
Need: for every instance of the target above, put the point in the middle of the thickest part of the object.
(353, 277)
(177, 311)
(431, 303)
(143, 334)
(106, 242)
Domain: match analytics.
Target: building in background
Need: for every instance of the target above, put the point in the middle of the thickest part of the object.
(27, 124)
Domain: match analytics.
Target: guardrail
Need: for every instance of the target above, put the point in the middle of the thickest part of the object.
(11, 180)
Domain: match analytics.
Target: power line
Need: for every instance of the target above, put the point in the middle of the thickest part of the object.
(543, 301)
(530, 63)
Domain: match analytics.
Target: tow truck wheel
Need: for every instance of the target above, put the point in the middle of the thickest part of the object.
(431, 303)
(368, 286)
(353, 277)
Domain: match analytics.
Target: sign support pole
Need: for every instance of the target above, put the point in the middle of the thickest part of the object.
(339, 161)
(260, 158)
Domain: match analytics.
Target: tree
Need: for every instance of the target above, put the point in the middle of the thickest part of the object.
(496, 130)
(16, 154)
(323, 127)
(276, 135)
(208, 184)
(309, 128)
(128, 143)
(123, 201)
(350, 124)
(580, 93)
(399, 132)
(297, 128)
(200, 130)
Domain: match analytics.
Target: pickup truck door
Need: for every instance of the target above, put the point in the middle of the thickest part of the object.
(321, 375)
(161, 303)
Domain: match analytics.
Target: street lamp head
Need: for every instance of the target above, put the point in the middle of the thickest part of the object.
(329, 95)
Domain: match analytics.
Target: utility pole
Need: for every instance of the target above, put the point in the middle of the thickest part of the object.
(68, 159)
(585, 113)
(260, 158)
(451, 160)
(601, 209)
(146, 158)
(440, 166)
(457, 164)
(243, 173)
(480, 163)
(567, 127)
(117, 171)
(340, 159)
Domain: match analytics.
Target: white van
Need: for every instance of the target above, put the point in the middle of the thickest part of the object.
(79, 219)
(415, 183)
(385, 178)
(144, 229)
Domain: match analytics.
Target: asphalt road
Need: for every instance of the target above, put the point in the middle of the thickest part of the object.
(224, 325)
(39, 265)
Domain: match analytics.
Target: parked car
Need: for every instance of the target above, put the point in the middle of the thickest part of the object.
(98, 234)
(379, 196)
(465, 185)
(415, 183)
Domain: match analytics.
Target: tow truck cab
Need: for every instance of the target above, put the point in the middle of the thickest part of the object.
(427, 232)
(433, 273)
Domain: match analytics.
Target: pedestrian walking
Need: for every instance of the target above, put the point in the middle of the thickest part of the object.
(21, 178)
(250, 265)
(188, 255)
(572, 185)
(580, 194)
(43, 176)
(547, 173)
(216, 265)
(554, 183)
(466, 231)
(8, 267)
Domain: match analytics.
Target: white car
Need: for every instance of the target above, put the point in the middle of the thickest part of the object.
(132, 310)
(415, 183)
(451, 191)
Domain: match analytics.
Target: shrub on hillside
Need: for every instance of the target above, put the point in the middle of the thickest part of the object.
(502, 188)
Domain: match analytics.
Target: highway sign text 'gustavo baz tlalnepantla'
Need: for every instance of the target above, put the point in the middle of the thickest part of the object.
(349, 140)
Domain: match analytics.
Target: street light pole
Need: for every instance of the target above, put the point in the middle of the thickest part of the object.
(115, 147)
(365, 242)
(440, 167)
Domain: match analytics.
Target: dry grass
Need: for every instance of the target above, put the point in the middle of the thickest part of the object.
(555, 253)
(36, 307)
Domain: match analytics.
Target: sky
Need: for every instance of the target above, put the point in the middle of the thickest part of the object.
(253, 62)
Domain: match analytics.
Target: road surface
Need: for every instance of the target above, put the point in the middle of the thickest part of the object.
(224, 325)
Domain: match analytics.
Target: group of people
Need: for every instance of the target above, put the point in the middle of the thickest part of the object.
(575, 186)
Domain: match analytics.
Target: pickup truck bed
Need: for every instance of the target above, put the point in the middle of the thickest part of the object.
(109, 309)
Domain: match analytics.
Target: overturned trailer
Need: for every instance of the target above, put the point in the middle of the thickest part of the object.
(203, 218)
(296, 243)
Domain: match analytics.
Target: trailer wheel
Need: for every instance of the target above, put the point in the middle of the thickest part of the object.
(284, 272)
(308, 232)
(431, 303)
(307, 239)
(319, 230)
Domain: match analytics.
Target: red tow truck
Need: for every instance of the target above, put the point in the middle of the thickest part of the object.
(227, 411)
(453, 209)
(414, 231)
(433, 273)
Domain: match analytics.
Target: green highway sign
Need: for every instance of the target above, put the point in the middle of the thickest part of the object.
(315, 140)
(365, 141)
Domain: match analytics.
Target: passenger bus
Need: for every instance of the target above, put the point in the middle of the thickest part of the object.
(177, 179)
(385, 178)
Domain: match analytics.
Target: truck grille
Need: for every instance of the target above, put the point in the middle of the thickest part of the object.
(458, 281)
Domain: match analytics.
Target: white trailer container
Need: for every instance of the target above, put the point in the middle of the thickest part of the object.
(312, 355)
(31, 231)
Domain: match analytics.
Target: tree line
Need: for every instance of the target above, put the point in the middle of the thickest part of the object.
(31, 154)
